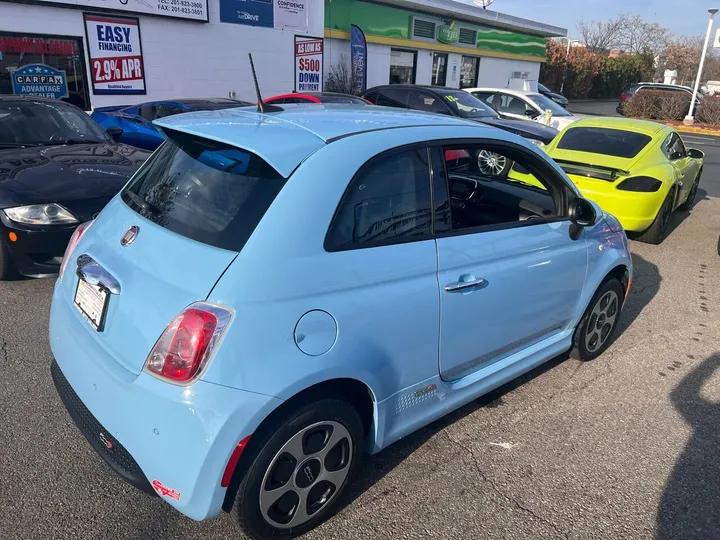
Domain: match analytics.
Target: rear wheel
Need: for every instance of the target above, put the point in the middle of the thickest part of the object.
(597, 327)
(690, 201)
(299, 470)
(655, 234)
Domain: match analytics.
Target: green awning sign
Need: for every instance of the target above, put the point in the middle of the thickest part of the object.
(448, 34)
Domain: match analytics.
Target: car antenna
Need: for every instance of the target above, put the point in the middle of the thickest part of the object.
(262, 107)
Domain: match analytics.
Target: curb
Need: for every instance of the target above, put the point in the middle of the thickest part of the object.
(699, 130)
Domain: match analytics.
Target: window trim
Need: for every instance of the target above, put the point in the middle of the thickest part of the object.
(566, 194)
(329, 248)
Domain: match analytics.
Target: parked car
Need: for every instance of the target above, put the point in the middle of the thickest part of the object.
(452, 102)
(136, 120)
(648, 86)
(520, 105)
(638, 171)
(58, 168)
(317, 97)
(557, 98)
(274, 294)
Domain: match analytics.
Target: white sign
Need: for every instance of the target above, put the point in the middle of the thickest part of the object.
(291, 14)
(115, 52)
(196, 10)
(308, 64)
(716, 43)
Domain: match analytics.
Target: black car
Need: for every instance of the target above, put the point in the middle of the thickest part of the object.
(455, 103)
(557, 98)
(58, 168)
(647, 86)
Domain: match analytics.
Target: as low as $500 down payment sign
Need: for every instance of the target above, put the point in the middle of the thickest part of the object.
(308, 64)
(115, 52)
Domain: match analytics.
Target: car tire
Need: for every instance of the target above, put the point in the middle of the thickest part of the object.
(596, 329)
(306, 480)
(690, 201)
(655, 234)
(7, 268)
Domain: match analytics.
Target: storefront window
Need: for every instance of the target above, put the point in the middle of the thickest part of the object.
(468, 75)
(402, 66)
(58, 67)
(439, 69)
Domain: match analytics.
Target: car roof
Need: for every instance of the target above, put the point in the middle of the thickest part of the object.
(286, 137)
(653, 129)
(427, 88)
(519, 93)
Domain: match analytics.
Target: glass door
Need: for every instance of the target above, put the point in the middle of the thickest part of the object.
(439, 69)
(469, 72)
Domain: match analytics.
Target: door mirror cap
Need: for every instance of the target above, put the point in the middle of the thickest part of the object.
(695, 153)
(115, 132)
(583, 212)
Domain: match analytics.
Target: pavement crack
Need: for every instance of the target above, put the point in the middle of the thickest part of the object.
(499, 492)
(4, 351)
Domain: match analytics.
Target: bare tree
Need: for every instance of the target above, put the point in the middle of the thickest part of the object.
(683, 55)
(341, 78)
(641, 37)
(601, 36)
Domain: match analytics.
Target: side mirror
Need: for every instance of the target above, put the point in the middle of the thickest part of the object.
(695, 153)
(583, 213)
(531, 113)
(115, 133)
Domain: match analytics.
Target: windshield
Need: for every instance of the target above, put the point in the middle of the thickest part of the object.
(543, 88)
(467, 105)
(205, 190)
(39, 123)
(547, 103)
(610, 142)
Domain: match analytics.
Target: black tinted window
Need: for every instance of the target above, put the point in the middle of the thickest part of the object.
(204, 190)
(422, 101)
(387, 201)
(611, 142)
(390, 97)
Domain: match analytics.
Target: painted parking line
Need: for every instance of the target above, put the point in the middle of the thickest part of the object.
(704, 139)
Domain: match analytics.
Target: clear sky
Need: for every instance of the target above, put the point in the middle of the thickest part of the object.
(681, 17)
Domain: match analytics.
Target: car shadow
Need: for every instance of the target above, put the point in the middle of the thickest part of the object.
(679, 216)
(690, 503)
(646, 284)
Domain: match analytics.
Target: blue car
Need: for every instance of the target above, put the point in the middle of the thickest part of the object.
(274, 294)
(135, 121)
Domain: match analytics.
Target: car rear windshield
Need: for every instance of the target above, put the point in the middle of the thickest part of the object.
(204, 190)
(611, 142)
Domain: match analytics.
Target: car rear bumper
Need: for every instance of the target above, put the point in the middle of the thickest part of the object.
(36, 251)
(634, 210)
(172, 439)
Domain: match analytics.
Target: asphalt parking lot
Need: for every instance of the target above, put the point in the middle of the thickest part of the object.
(621, 447)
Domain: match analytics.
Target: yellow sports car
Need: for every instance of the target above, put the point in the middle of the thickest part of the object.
(638, 171)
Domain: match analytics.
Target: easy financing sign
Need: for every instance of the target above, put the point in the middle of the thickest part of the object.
(308, 64)
(116, 61)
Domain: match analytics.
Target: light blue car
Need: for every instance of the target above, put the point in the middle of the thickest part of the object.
(274, 294)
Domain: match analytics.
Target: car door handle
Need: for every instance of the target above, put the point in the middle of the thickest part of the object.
(463, 285)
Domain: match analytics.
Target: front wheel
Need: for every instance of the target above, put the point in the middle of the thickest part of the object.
(299, 470)
(597, 327)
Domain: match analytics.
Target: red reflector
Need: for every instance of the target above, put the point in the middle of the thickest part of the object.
(233, 461)
(623, 97)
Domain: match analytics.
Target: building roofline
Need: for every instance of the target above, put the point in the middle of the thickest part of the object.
(468, 11)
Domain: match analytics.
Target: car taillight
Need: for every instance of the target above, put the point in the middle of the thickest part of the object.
(187, 343)
(623, 97)
(72, 244)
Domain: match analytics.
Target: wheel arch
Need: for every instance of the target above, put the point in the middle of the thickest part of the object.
(356, 392)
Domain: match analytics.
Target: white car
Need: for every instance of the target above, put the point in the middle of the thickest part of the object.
(525, 105)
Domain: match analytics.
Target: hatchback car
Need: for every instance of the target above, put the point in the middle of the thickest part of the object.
(136, 121)
(274, 294)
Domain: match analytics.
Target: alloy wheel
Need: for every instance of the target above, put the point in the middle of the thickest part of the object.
(601, 321)
(490, 163)
(306, 474)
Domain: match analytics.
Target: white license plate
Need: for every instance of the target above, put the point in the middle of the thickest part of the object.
(91, 301)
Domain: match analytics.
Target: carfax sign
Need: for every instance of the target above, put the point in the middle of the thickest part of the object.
(39, 80)
(115, 51)
(308, 64)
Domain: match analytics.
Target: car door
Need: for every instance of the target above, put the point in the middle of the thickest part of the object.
(510, 275)
(515, 107)
(685, 167)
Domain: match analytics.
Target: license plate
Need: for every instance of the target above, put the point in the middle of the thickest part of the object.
(91, 301)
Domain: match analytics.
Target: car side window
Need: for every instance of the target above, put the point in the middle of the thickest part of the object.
(148, 112)
(490, 188)
(167, 109)
(424, 101)
(485, 97)
(392, 97)
(388, 201)
(676, 148)
(513, 105)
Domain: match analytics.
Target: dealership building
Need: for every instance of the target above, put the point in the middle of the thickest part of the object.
(97, 53)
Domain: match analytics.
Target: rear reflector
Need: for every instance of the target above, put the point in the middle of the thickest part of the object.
(72, 244)
(623, 97)
(233, 461)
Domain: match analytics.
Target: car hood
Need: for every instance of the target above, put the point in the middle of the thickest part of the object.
(561, 122)
(524, 128)
(66, 173)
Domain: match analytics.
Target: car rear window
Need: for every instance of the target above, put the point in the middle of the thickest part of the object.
(611, 142)
(208, 191)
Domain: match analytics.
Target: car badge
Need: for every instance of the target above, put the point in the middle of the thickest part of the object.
(107, 442)
(129, 236)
